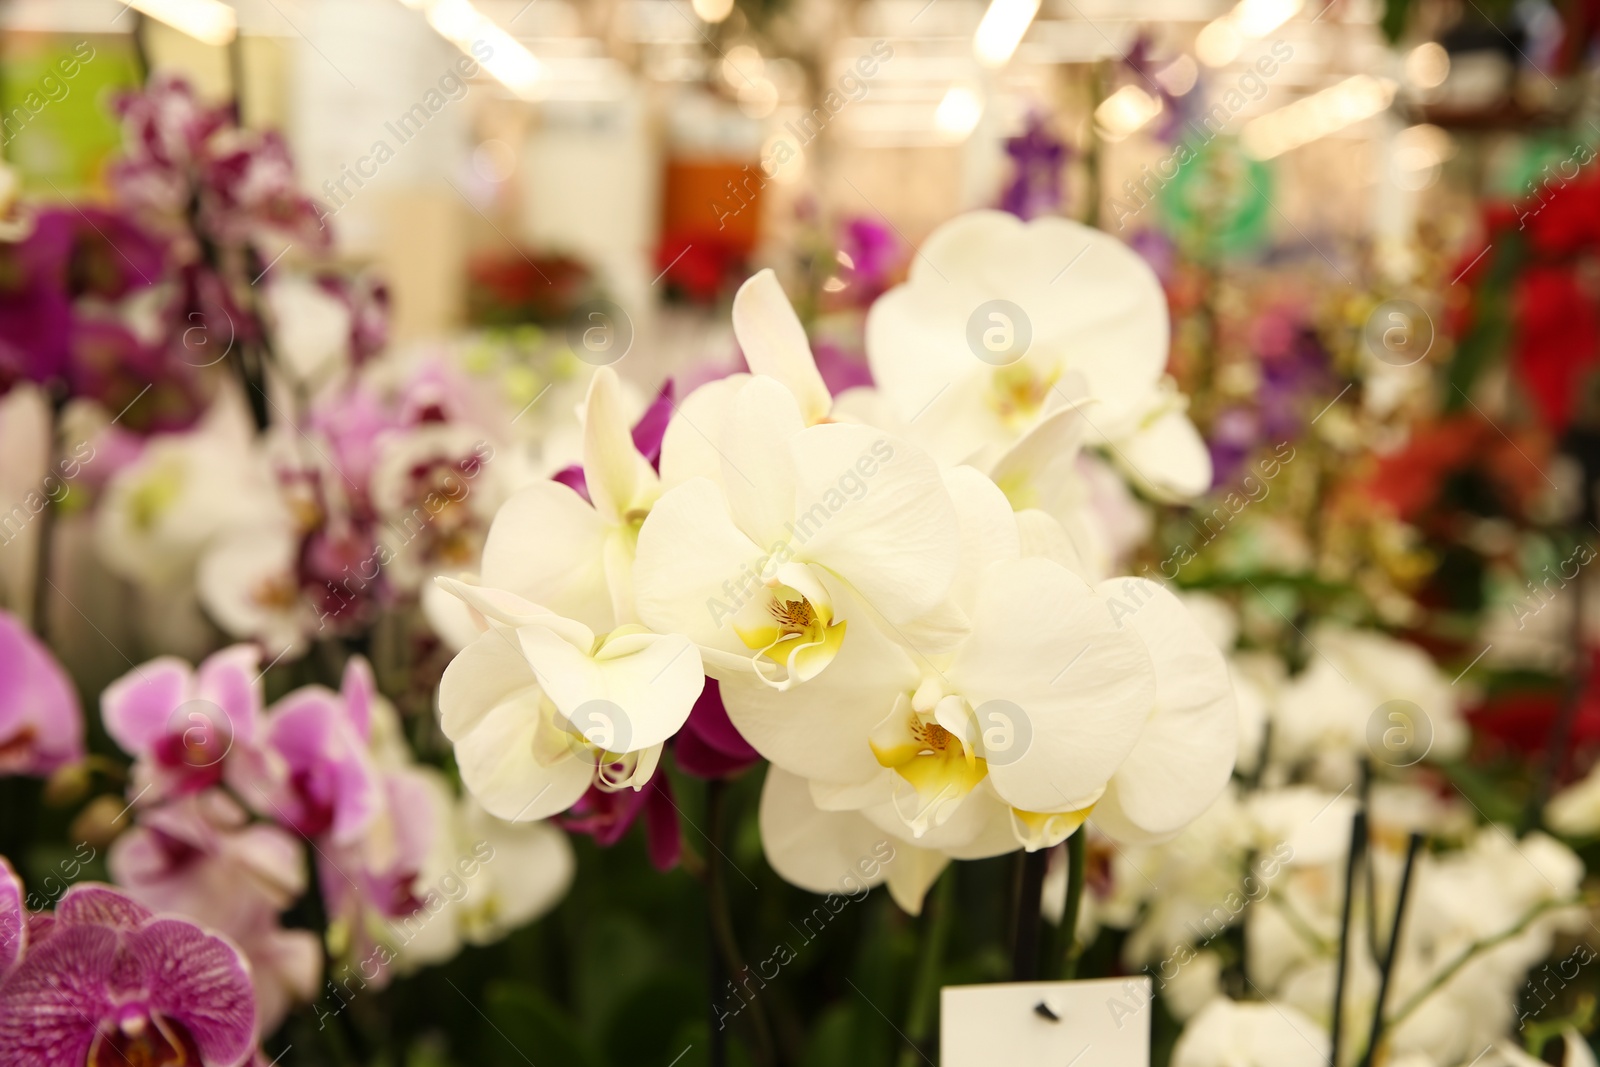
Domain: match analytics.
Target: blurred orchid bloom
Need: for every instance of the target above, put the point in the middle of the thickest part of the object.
(312, 771)
(495, 875)
(107, 983)
(1229, 1033)
(14, 918)
(41, 723)
(14, 221)
(540, 707)
(552, 546)
(1103, 320)
(757, 564)
(201, 857)
(187, 729)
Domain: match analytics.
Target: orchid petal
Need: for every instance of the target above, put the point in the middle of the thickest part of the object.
(1184, 755)
(775, 344)
(619, 480)
(545, 545)
(138, 706)
(1045, 651)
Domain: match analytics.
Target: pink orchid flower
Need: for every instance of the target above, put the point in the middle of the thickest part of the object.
(320, 780)
(201, 857)
(108, 983)
(41, 723)
(185, 727)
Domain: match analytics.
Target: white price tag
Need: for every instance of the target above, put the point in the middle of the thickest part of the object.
(1099, 1023)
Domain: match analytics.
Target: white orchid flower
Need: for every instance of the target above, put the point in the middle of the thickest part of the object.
(839, 851)
(775, 346)
(996, 315)
(548, 545)
(1020, 726)
(1230, 1033)
(539, 707)
(752, 566)
(1186, 749)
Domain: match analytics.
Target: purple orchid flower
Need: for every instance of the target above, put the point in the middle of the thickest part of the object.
(13, 919)
(108, 983)
(709, 746)
(186, 728)
(201, 857)
(41, 722)
(840, 369)
(371, 887)
(1038, 156)
(178, 152)
(68, 255)
(871, 252)
(248, 191)
(319, 779)
(608, 816)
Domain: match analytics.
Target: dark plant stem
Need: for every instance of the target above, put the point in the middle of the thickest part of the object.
(1077, 869)
(236, 76)
(1358, 846)
(724, 944)
(1392, 950)
(716, 980)
(45, 557)
(937, 916)
(1025, 943)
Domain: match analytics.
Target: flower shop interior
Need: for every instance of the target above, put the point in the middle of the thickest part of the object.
(1159, 637)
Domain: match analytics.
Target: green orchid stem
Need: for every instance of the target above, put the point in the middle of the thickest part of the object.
(1468, 954)
(936, 921)
(1077, 868)
(1025, 941)
(725, 948)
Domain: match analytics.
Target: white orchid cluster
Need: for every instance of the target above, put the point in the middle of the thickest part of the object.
(902, 591)
(1268, 860)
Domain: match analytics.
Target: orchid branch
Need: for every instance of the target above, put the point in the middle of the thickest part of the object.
(1470, 952)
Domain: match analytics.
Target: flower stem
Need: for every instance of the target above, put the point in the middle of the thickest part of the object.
(1393, 948)
(45, 556)
(1025, 944)
(1077, 868)
(1467, 955)
(725, 946)
(936, 921)
(1358, 846)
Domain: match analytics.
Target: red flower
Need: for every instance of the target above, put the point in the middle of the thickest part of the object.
(1558, 338)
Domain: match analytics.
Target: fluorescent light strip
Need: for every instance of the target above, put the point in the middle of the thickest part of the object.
(210, 21)
(1001, 30)
(1317, 116)
(464, 26)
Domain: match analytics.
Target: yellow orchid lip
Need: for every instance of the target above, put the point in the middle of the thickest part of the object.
(1018, 392)
(940, 769)
(794, 633)
(1046, 829)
